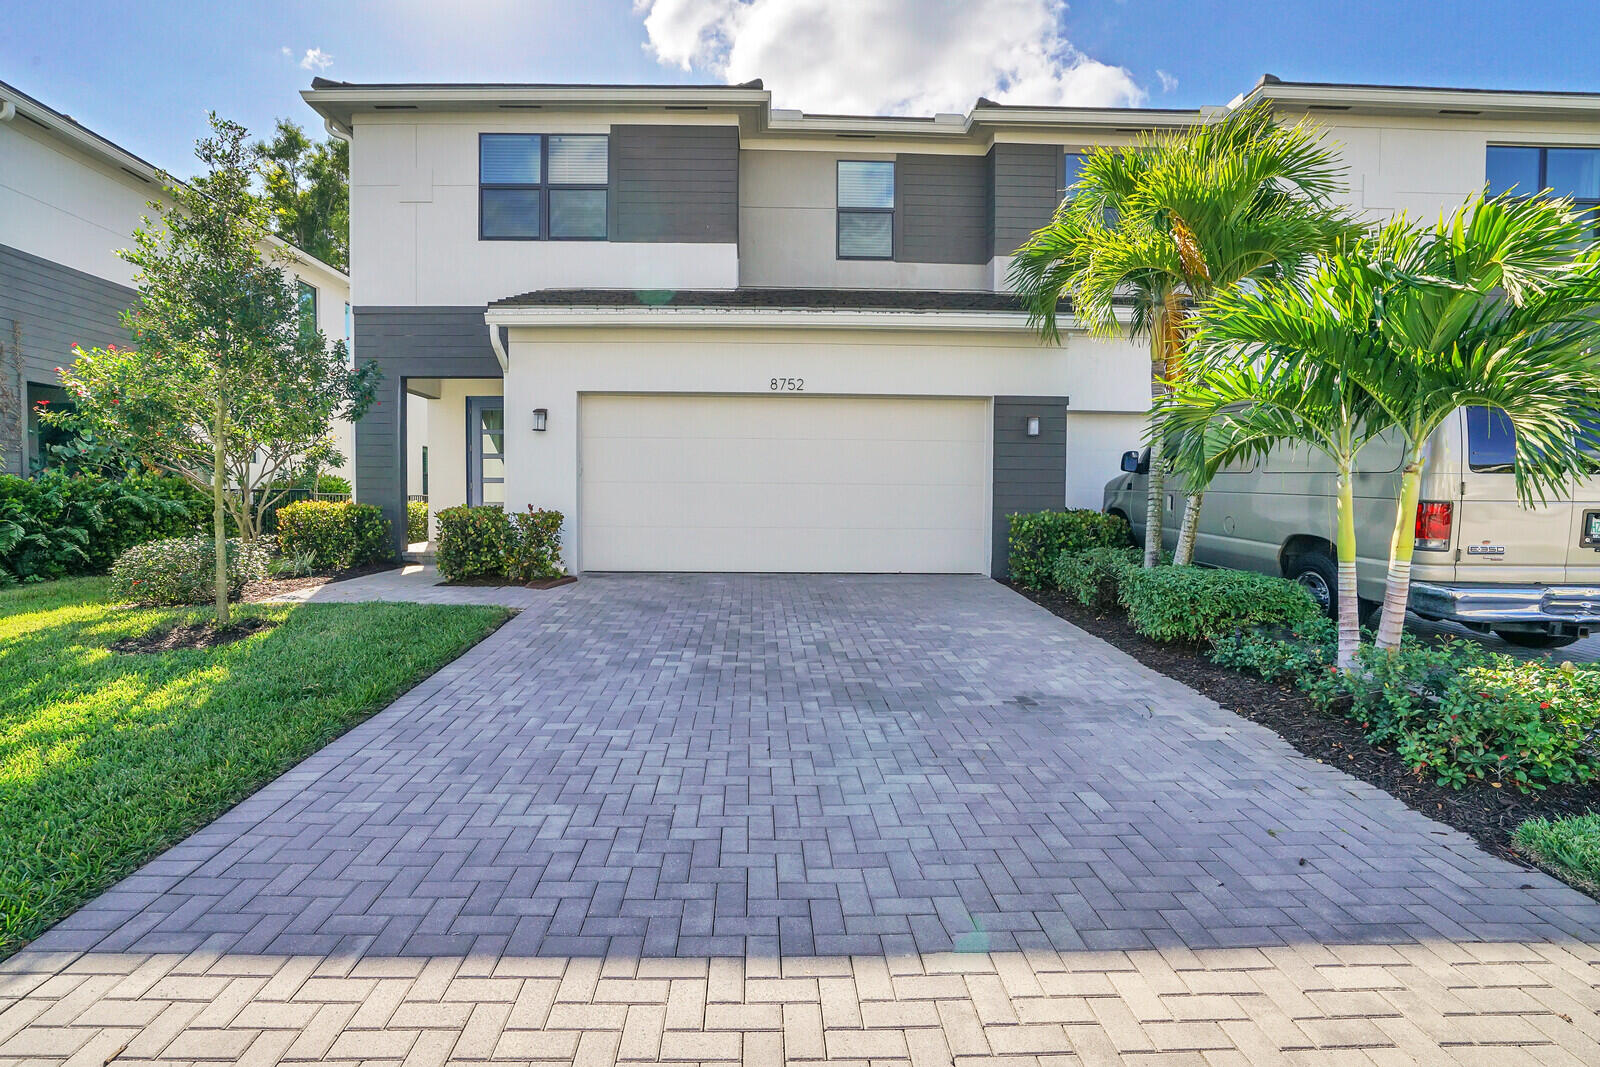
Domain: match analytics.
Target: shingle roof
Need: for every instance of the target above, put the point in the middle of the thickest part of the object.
(770, 298)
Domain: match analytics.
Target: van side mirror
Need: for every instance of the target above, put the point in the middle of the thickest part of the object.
(1130, 462)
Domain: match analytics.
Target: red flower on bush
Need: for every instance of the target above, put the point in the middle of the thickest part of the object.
(1544, 705)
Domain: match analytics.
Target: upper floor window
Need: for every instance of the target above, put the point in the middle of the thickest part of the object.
(1071, 168)
(534, 186)
(1527, 170)
(308, 308)
(866, 209)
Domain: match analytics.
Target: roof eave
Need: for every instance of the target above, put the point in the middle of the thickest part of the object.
(1423, 100)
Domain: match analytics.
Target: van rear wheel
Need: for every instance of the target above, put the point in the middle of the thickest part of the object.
(1524, 639)
(1319, 574)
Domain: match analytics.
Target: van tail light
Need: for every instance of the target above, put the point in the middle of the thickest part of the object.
(1433, 525)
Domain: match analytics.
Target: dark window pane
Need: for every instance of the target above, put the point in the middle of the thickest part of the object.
(308, 309)
(866, 184)
(508, 159)
(577, 159)
(511, 212)
(1573, 172)
(866, 234)
(1513, 168)
(1491, 440)
(577, 212)
(1073, 168)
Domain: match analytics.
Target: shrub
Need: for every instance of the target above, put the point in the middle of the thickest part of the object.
(182, 570)
(485, 542)
(1039, 537)
(1571, 844)
(60, 525)
(333, 485)
(336, 535)
(1199, 604)
(473, 542)
(416, 521)
(535, 551)
(1093, 576)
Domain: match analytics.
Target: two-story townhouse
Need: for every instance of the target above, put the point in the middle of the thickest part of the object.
(720, 336)
(69, 200)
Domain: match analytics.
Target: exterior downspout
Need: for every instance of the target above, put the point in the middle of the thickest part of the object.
(8, 110)
(336, 130)
(499, 347)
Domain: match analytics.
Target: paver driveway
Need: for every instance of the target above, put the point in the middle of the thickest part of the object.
(890, 819)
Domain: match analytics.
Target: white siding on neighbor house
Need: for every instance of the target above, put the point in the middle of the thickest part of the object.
(414, 221)
(794, 483)
(553, 368)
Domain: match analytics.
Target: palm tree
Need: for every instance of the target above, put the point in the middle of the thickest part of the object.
(1494, 306)
(1153, 229)
(1278, 363)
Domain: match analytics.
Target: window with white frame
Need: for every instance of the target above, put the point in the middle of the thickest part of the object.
(866, 209)
(537, 187)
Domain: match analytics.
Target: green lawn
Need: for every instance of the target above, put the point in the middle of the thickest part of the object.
(1570, 845)
(107, 758)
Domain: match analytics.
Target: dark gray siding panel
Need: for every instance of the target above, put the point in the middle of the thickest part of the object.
(675, 183)
(409, 342)
(941, 209)
(1026, 180)
(46, 308)
(1030, 473)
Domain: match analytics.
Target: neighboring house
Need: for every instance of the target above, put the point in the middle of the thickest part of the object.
(719, 336)
(69, 200)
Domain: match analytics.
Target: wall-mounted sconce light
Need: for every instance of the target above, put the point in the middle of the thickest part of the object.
(1033, 426)
(540, 417)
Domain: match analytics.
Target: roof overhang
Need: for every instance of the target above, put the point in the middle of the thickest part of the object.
(1422, 100)
(757, 318)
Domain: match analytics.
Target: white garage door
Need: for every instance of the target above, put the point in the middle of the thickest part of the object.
(783, 483)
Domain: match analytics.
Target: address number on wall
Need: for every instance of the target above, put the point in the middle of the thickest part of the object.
(787, 385)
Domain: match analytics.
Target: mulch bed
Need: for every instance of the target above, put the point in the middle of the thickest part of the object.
(196, 635)
(1486, 814)
(501, 583)
(267, 588)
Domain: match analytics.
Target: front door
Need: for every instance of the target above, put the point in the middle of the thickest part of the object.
(486, 458)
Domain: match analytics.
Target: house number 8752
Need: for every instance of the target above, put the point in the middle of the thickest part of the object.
(787, 385)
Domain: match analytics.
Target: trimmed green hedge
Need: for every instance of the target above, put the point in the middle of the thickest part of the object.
(58, 525)
(1199, 604)
(416, 521)
(1038, 538)
(335, 536)
(182, 570)
(1093, 577)
(485, 542)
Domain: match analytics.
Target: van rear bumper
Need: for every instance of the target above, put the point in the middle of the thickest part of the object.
(1555, 608)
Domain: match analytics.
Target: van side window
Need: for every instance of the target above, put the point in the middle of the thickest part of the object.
(1491, 441)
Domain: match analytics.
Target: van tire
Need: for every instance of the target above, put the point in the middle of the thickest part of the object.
(1319, 574)
(1523, 639)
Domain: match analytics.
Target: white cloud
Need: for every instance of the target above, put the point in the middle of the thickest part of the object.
(316, 59)
(286, 50)
(1168, 82)
(887, 56)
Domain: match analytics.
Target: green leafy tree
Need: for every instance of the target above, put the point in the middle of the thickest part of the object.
(306, 185)
(1153, 229)
(226, 388)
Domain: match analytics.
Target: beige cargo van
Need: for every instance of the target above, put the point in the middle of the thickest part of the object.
(1530, 575)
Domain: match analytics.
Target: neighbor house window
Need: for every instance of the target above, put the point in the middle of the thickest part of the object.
(866, 209)
(1528, 170)
(535, 186)
(308, 309)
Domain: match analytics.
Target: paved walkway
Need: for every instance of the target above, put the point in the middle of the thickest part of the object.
(885, 820)
(417, 583)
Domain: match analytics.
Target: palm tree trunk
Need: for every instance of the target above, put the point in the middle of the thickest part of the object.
(1191, 526)
(219, 524)
(1161, 340)
(1349, 604)
(1397, 588)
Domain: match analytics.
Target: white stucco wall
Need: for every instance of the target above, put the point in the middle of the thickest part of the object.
(552, 367)
(414, 219)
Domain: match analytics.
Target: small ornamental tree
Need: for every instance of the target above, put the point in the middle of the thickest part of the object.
(226, 387)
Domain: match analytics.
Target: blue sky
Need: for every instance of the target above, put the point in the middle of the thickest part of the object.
(143, 74)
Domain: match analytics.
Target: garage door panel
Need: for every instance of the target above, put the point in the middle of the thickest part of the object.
(783, 483)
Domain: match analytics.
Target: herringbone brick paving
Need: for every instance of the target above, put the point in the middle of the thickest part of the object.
(770, 819)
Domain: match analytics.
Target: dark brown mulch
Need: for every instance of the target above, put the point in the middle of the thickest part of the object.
(501, 583)
(1486, 814)
(192, 636)
(267, 588)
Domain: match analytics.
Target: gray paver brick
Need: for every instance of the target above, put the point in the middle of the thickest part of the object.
(915, 819)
